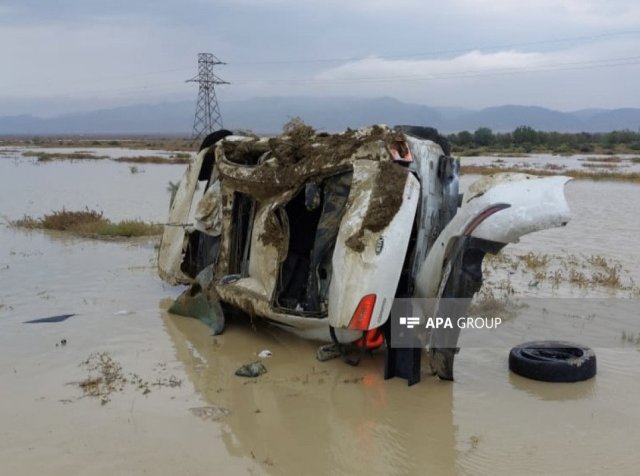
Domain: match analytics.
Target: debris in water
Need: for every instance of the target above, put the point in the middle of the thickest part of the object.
(264, 354)
(327, 352)
(254, 369)
(210, 413)
(201, 301)
(60, 318)
(105, 377)
(124, 312)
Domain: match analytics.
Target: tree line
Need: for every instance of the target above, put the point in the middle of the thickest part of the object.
(527, 139)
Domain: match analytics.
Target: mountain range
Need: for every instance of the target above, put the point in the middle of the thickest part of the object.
(267, 115)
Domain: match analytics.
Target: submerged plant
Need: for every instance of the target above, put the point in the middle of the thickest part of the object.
(535, 261)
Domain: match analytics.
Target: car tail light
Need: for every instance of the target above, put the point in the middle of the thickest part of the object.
(362, 316)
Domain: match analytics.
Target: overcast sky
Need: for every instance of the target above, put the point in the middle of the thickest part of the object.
(67, 55)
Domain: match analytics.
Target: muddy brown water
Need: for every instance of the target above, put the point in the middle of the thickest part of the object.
(622, 163)
(303, 416)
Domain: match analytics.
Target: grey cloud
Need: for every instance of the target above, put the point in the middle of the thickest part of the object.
(106, 50)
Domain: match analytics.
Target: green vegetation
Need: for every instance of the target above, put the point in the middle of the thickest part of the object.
(47, 156)
(179, 158)
(525, 139)
(156, 143)
(581, 272)
(611, 159)
(90, 223)
(535, 261)
(522, 140)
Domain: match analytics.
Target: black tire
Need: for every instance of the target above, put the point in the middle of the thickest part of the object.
(553, 361)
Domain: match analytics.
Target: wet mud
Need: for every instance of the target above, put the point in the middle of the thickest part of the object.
(286, 162)
(386, 200)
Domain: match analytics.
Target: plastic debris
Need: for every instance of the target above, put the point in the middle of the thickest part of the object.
(264, 354)
(60, 318)
(201, 301)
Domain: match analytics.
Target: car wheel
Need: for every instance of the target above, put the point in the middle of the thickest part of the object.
(553, 361)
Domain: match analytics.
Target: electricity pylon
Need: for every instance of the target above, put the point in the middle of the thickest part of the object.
(207, 118)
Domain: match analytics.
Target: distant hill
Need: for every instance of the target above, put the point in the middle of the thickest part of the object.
(326, 114)
(267, 115)
(139, 119)
(615, 119)
(507, 118)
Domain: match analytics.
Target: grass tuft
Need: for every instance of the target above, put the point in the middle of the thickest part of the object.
(611, 159)
(89, 222)
(535, 261)
(178, 158)
(49, 156)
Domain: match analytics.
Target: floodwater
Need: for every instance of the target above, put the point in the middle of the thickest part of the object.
(112, 152)
(620, 163)
(303, 416)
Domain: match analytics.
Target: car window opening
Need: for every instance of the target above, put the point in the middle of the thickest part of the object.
(314, 216)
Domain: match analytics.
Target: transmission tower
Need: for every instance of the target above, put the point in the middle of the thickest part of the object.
(207, 117)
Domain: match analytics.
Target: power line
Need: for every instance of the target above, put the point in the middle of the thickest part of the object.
(439, 52)
(605, 63)
(452, 75)
(610, 62)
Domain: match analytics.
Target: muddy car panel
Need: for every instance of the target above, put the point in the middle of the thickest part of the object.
(174, 237)
(374, 270)
(498, 209)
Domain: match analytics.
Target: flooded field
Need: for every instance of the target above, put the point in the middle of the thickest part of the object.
(176, 406)
(589, 163)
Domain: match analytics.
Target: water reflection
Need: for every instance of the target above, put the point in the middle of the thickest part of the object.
(549, 391)
(313, 418)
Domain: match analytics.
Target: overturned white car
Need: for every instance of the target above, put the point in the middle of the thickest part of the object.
(319, 233)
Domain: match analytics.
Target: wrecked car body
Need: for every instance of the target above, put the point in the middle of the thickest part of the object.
(319, 233)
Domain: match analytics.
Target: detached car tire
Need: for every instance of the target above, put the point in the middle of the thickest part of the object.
(553, 361)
